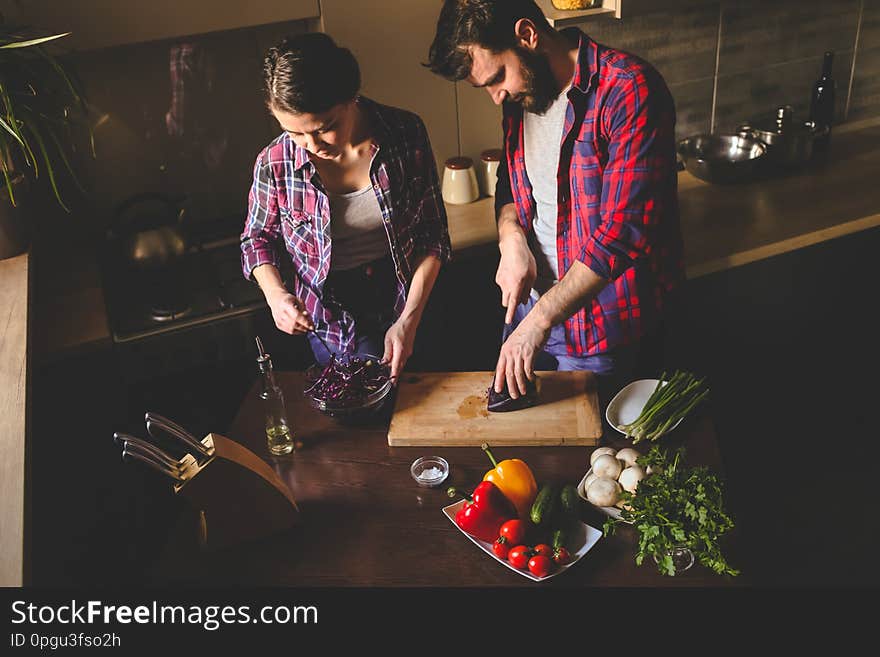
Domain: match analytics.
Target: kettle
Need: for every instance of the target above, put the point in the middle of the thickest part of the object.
(149, 230)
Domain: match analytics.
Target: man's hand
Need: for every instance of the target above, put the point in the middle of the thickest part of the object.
(289, 312)
(399, 340)
(516, 273)
(517, 357)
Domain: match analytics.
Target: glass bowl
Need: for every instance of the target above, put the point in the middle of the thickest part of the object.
(429, 471)
(363, 407)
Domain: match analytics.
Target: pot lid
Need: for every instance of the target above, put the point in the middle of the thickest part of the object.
(782, 121)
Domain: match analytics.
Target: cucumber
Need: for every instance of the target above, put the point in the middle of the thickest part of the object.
(544, 505)
(569, 502)
(559, 537)
(567, 512)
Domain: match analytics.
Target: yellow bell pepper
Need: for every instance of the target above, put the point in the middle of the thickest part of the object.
(515, 480)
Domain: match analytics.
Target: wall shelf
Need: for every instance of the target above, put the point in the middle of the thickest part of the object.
(560, 18)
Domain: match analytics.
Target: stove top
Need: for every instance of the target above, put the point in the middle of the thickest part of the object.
(205, 285)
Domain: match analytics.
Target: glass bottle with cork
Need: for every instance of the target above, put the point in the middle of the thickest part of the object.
(822, 107)
(279, 435)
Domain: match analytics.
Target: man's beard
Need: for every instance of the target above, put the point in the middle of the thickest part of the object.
(541, 87)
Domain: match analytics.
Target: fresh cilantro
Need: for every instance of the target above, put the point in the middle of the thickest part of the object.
(676, 506)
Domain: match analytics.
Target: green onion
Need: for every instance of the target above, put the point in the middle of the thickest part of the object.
(666, 406)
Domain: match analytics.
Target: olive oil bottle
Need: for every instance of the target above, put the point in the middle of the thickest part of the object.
(279, 435)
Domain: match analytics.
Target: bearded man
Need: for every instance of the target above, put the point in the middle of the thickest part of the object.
(586, 201)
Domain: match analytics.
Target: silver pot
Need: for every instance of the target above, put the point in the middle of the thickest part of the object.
(789, 141)
(719, 158)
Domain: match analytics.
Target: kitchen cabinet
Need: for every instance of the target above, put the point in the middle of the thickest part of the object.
(102, 23)
(14, 305)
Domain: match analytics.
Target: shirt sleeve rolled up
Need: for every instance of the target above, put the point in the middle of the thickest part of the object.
(639, 120)
(262, 228)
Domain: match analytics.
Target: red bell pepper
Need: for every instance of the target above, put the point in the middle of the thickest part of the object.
(484, 512)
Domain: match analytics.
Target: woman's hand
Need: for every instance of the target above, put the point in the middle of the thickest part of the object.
(289, 312)
(517, 358)
(516, 273)
(399, 340)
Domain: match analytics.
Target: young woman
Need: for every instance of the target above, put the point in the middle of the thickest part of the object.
(348, 196)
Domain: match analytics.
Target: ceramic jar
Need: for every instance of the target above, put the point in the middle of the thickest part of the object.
(489, 160)
(459, 181)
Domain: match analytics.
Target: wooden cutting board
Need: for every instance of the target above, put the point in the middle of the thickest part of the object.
(449, 409)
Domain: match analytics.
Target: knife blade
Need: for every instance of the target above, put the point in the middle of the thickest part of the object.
(499, 402)
(124, 440)
(176, 431)
(506, 331)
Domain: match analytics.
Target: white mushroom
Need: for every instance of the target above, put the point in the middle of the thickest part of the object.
(603, 491)
(629, 479)
(628, 455)
(588, 481)
(607, 465)
(599, 451)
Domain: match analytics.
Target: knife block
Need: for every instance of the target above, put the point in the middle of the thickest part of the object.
(238, 497)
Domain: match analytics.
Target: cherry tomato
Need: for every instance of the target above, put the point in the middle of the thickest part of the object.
(514, 531)
(519, 556)
(561, 556)
(543, 549)
(501, 547)
(540, 566)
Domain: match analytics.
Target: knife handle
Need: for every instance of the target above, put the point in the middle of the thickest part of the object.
(129, 453)
(175, 430)
(124, 440)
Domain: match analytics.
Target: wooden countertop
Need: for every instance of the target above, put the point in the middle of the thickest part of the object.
(365, 522)
(13, 415)
(723, 226)
(726, 226)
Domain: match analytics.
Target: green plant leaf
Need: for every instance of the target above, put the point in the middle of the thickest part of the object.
(11, 131)
(33, 42)
(48, 162)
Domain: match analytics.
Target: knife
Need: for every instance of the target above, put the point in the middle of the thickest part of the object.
(130, 453)
(506, 331)
(499, 402)
(175, 430)
(124, 440)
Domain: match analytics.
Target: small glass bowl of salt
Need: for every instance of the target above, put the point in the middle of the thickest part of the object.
(429, 470)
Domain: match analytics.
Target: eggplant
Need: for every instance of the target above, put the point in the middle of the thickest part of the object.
(502, 402)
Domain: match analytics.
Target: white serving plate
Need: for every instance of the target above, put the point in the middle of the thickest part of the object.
(612, 511)
(627, 404)
(579, 543)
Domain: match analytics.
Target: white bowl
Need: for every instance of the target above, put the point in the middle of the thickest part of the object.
(627, 404)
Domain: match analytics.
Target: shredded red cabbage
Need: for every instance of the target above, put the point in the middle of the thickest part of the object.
(347, 381)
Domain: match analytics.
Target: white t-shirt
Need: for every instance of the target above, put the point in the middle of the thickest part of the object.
(356, 229)
(542, 135)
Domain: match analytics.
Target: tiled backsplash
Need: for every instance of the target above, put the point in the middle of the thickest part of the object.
(183, 117)
(725, 61)
(728, 61)
(753, 55)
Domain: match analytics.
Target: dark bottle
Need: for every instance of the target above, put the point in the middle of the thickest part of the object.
(822, 107)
